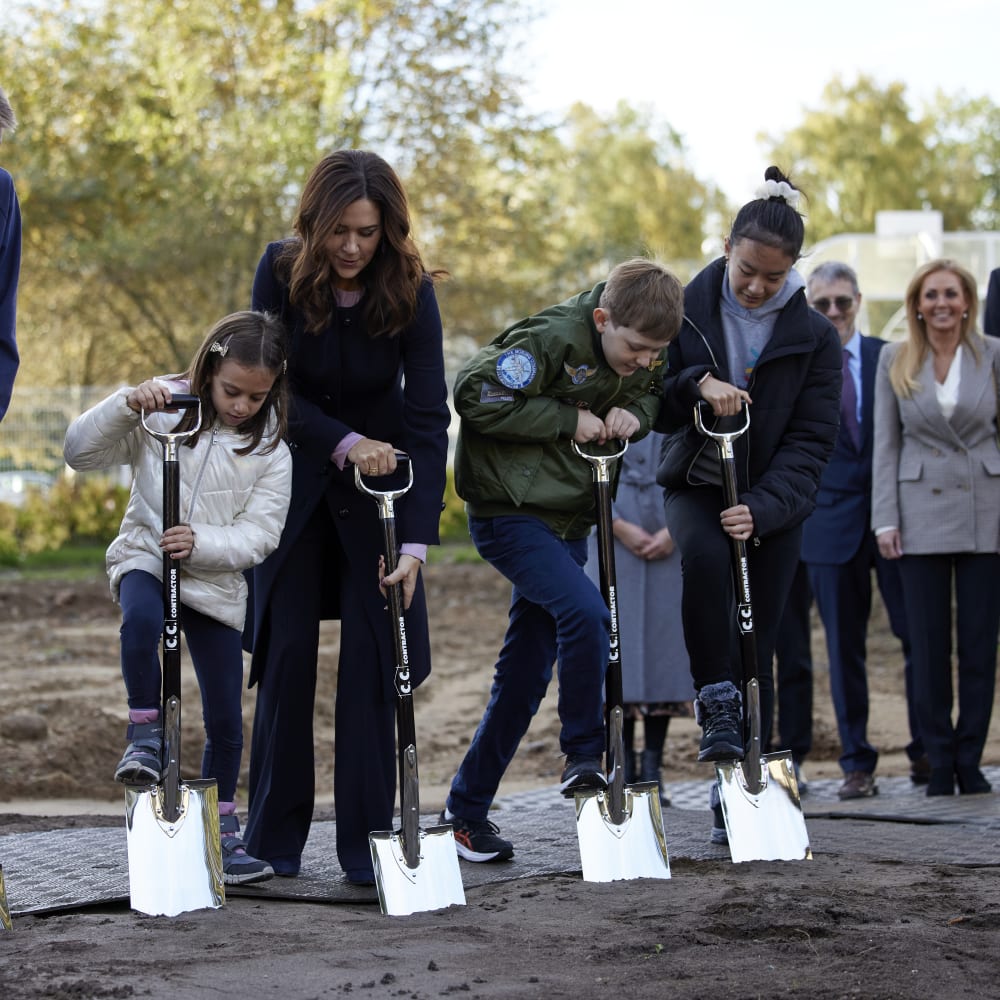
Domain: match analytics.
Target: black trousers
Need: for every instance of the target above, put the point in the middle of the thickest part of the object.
(708, 604)
(794, 669)
(927, 592)
(282, 778)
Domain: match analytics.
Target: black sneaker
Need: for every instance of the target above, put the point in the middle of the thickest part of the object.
(478, 841)
(582, 773)
(718, 710)
(141, 762)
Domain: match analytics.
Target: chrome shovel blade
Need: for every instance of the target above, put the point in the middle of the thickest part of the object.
(432, 884)
(174, 866)
(634, 848)
(766, 825)
(5, 923)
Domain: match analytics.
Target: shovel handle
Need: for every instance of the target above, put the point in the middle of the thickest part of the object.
(406, 730)
(741, 581)
(170, 708)
(613, 694)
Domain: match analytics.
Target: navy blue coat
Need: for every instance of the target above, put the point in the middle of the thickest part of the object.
(795, 413)
(834, 531)
(388, 388)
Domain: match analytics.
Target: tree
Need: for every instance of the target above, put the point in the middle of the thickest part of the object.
(865, 150)
(165, 142)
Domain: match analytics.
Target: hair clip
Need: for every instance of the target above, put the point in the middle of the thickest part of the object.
(219, 348)
(284, 367)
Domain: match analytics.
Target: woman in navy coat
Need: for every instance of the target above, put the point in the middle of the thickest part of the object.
(366, 373)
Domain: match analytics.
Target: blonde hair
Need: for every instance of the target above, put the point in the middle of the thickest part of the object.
(904, 372)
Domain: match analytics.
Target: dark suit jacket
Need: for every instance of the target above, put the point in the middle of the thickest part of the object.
(991, 311)
(834, 531)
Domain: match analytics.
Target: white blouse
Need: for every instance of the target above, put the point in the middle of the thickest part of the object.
(947, 391)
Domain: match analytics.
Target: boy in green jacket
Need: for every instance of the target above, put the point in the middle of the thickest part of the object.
(586, 370)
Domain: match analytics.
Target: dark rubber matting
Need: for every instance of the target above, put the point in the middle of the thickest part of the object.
(75, 868)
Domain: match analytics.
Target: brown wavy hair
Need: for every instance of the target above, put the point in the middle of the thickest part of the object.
(391, 280)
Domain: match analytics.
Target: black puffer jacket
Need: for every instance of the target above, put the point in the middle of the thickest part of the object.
(795, 388)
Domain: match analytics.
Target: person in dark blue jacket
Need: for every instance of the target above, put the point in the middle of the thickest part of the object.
(10, 266)
(839, 548)
(748, 337)
(366, 376)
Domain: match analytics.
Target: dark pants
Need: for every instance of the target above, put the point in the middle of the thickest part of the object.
(556, 613)
(217, 656)
(844, 599)
(927, 589)
(708, 604)
(794, 673)
(282, 775)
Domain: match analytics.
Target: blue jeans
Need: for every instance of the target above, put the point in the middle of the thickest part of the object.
(217, 655)
(556, 614)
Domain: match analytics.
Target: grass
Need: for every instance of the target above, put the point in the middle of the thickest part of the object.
(80, 562)
(77, 562)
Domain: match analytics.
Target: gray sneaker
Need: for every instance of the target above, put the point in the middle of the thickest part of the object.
(141, 764)
(238, 867)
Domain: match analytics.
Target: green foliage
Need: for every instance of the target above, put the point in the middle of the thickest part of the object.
(865, 149)
(76, 511)
(454, 523)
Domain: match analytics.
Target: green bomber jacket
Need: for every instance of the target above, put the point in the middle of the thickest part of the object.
(517, 400)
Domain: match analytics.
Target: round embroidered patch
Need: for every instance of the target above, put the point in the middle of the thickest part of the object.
(516, 368)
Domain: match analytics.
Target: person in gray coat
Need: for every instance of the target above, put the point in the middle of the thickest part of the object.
(936, 508)
(656, 677)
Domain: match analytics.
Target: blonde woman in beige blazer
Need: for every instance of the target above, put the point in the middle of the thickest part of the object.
(936, 508)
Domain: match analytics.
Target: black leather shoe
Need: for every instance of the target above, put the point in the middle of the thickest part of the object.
(920, 770)
(941, 781)
(971, 780)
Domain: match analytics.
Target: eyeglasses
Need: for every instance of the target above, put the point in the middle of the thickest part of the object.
(842, 302)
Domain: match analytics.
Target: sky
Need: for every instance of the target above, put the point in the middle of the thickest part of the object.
(722, 71)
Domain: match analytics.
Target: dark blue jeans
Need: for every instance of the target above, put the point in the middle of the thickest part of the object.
(217, 655)
(556, 614)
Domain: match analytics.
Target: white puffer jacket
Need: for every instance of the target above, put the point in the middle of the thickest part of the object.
(235, 504)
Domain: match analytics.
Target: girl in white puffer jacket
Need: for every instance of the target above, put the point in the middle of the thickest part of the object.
(235, 483)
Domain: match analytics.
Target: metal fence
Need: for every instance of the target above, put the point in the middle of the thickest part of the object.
(31, 437)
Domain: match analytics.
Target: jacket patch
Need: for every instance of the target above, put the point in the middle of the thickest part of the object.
(579, 375)
(516, 368)
(494, 394)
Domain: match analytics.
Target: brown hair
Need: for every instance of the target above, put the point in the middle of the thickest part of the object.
(253, 340)
(645, 296)
(391, 280)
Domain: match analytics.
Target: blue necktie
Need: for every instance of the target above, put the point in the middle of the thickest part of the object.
(849, 404)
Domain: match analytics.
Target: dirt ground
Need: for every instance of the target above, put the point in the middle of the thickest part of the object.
(839, 927)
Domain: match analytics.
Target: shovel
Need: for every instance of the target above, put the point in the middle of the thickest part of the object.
(174, 846)
(5, 923)
(620, 829)
(415, 870)
(760, 796)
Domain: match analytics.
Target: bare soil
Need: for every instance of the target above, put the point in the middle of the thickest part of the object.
(835, 927)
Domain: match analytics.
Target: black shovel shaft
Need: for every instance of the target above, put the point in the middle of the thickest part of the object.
(171, 567)
(741, 573)
(405, 724)
(609, 588)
